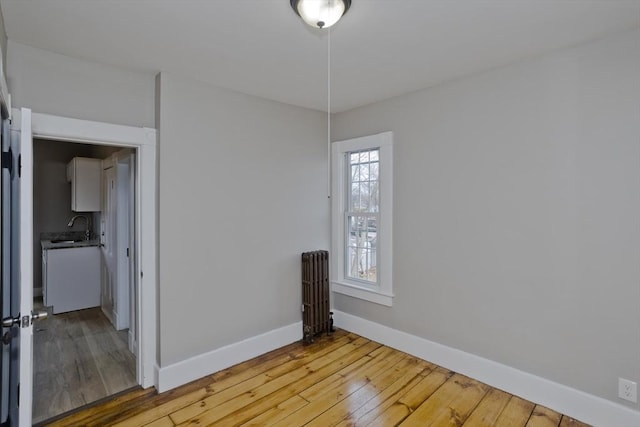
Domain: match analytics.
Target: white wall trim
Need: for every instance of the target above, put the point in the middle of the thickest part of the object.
(362, 293)
(575, 403)
(87, 131)
(216, 360)
(382, 291)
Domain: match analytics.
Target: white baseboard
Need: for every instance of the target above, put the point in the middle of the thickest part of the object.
(108, 314)
(132, 343)
(115, 320)
(206, 364)
(575, 403)
(156, 376)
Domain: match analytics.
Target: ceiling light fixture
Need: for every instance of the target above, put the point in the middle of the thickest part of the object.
(320, 13)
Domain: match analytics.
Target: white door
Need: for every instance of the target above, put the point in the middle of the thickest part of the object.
(122, 244)
(108, 240)
(26, 270)
(8, 174)
(22, 275)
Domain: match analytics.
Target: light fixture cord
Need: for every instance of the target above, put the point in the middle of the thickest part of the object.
(329, 112)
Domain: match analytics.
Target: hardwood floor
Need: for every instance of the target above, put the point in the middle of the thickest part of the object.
(78, 358)
(342, 380)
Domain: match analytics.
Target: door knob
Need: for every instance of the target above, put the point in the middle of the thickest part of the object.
(38, 315)
(25, 321)
(8, 322)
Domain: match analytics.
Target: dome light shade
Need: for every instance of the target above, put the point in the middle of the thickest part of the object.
(320, 13)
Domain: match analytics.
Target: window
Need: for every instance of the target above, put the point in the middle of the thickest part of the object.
(362, 218)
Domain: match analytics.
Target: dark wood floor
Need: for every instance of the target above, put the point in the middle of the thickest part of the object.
(343, 380)
(78, 358)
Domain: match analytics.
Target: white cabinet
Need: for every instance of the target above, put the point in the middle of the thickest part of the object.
(71, 278)
(85, 175)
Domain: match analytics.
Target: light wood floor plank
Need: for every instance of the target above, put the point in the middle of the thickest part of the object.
(368, 392)
(372, 409)
(544, 417)
(167, 402)
(278, 412)
(337, 391)
(451, 404)
(162, 422)
(340, 380)
(210, 409)
(408, 403)
(516, 413)
(489, 409)
(358, 369)
(261, 372)
(115, 405)
(244, 410)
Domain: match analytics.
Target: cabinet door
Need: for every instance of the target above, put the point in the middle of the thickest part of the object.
(85, 184)
(73, 278)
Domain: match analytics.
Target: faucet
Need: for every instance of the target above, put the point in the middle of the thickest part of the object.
(87, 233)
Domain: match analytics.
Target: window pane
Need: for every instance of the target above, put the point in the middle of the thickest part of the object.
(354, 201)
(361, 248)
(373, 171)
(364, 197)
(364, 172)
(355, 173)
(374, 204)
(364, 169)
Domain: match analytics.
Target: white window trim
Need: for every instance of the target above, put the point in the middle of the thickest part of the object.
(383, 292)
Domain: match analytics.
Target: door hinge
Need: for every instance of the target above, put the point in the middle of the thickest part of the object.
(19, 165)
(127, 252)
(7, 160)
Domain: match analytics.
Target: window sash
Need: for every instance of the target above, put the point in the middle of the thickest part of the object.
(360, 247)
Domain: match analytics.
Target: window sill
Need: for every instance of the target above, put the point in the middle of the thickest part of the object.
(362, 293)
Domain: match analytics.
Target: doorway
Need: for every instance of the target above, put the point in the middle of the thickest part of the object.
(26, 125)
(84, 351)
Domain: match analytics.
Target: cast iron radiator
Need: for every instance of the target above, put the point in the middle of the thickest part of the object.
(316, 317)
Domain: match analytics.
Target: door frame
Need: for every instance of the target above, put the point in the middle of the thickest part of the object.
(144, 140)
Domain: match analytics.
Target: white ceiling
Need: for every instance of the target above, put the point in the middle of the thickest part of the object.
(381, 48)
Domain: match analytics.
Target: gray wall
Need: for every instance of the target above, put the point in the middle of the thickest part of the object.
(516, 214)
(56, 84)
(52, 192)
(242, 194)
